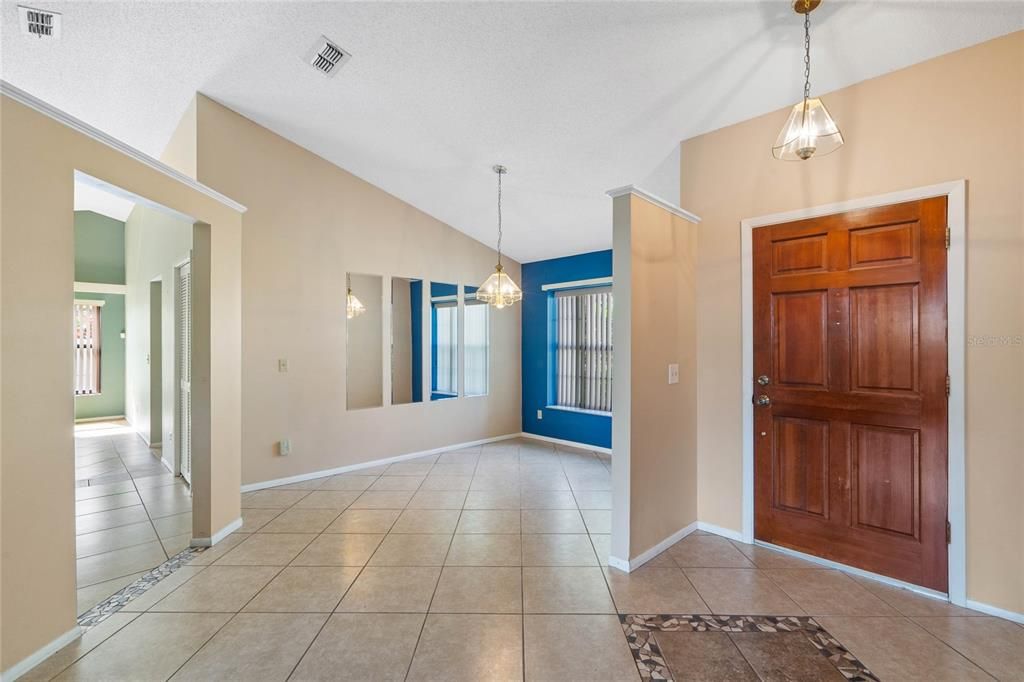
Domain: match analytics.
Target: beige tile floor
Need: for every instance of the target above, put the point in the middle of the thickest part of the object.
(131, 513)
(490, 563)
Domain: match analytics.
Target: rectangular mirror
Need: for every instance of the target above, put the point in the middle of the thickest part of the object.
(364, 351)
(477, 343)
(406, 340)
(444, 342)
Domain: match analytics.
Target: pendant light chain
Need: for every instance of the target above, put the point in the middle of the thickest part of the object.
(807, 50)
(500, 173)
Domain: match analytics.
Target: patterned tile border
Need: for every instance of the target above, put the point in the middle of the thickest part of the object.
(117, 601)
(651, 663)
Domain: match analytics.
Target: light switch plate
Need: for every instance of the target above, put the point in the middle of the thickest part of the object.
(673, 373)
(540, 414)
(284, 447)
(282, 365)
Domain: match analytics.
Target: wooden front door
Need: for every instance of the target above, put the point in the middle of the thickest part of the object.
(850, 389)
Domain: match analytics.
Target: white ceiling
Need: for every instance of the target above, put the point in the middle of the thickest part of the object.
(575, 98)
(89, 197)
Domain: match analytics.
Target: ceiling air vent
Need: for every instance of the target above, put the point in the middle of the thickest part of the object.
(39, 22)
(326, 57)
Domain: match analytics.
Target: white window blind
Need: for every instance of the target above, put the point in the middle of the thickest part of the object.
(447, 348)
(87, 347)
(477, 347)
(584, 348)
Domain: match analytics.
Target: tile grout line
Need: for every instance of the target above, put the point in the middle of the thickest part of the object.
(440, 573)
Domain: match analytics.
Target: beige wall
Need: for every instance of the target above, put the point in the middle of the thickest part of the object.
(308, 223)
(660, 285)
(37, 164)
(958, 116)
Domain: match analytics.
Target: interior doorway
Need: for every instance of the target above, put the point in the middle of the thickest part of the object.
(133, 510)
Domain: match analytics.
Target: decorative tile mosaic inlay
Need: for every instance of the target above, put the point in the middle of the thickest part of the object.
(652, 665)
(119, 599)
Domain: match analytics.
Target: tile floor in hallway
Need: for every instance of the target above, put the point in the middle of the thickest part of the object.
(131, 514)
(489, 563)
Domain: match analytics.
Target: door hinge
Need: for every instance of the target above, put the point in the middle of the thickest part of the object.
(949, 237)
(949, 532)
(947, 385)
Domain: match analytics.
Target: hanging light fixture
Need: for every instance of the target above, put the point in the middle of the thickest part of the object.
(499, 290)
(809, 130)
(353, 306)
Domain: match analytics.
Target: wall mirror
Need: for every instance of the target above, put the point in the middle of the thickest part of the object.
(444, 342)
(477, 342)
(364, 359)
(406, 340)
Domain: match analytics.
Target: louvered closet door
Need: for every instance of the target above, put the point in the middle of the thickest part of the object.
(183, 350)
(850, 348)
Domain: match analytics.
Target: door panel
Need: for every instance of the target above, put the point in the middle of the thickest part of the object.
(887, 466)
(849, 329)
(801, 465)
(801, 353)
(884, 338)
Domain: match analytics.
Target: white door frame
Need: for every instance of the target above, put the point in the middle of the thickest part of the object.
(956, 193)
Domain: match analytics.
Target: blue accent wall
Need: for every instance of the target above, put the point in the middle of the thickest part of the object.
(539, 350)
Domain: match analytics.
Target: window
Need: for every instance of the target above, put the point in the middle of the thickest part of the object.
(87, 347)
(447, 379)
(477, 346)
(584, 348)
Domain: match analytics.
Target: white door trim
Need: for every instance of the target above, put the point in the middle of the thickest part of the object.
(956, 281)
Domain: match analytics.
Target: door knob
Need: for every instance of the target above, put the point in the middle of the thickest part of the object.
(763, 400)
(764, 380)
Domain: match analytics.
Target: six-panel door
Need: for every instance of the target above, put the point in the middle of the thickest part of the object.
(850, 333)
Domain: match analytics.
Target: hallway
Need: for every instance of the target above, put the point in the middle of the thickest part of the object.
(489, 563)
(131, 513)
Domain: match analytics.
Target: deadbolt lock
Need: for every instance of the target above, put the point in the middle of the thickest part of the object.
(764, 380)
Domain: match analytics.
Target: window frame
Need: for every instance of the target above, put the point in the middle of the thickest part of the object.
(93, 349)
(556, 401)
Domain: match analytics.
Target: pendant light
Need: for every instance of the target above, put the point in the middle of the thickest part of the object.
(353, 306)
(809, 130)
(499, 290)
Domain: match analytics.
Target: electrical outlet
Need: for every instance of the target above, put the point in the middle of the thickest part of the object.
(284, 447)
(282, 365)
(673, 374)
(540, 414)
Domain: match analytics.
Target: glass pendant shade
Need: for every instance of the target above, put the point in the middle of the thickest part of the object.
(809, 131)
(353, 306)
(499, 290)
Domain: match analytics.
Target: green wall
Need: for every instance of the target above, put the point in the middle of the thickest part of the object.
(99, 248)
(99, 258)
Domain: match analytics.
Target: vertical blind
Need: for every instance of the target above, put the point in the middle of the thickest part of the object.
(87, 347)
(477, 347)
(584, 348)
(447, 348)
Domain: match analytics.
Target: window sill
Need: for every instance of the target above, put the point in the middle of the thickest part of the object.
(580, 410)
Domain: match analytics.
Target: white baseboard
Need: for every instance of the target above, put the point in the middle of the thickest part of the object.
(249, 487)
(568, 443)
(167, 465)
(219, 535)
(26, 664)
(719, 530)
(89, 420)
(654, 551)
(996, 611)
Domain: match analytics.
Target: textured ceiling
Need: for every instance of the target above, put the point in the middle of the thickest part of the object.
(575, 98)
